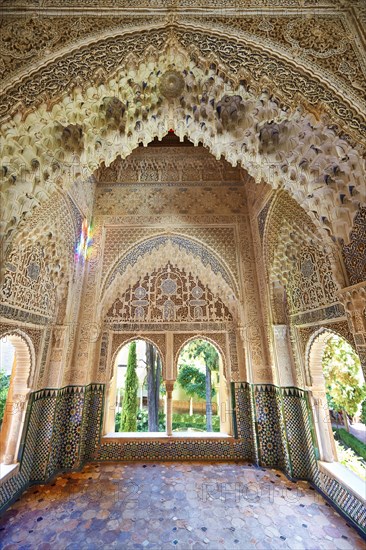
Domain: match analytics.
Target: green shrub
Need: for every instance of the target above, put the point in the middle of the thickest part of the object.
(117, 422)
(130, 401)
(363, 412)
(143, 421)
(4, 388)
(350, 460)
(351, 441)
(182, 422)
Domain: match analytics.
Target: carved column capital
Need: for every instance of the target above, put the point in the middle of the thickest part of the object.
(169, 385)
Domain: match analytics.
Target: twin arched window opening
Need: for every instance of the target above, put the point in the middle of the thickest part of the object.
(199, 398)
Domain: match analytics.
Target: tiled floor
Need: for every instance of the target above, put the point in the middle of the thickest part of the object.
(167, 505)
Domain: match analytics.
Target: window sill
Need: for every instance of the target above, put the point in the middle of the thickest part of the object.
(157, 436)
(345, 477)
(7, 471)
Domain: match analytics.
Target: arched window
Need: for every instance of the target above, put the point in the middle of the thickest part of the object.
(201, 400)
(337, 392)
(15, 368)
(136, 394)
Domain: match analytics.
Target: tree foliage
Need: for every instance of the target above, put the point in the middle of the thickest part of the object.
(201, 349)
(193, 381)
(204, 350)
(130, 401)
(363, 412)
(4, 387)
(343, 376)
(153, 366)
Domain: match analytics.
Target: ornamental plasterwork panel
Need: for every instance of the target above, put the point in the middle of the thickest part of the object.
(173, 165)
(172, 243)
(328, 42)
(308, 270)
(169, 200)
(310, 282)
(54, 221)
(168, 294)
(41, 35)
(148, 262)
(355, 252)
(27, 282)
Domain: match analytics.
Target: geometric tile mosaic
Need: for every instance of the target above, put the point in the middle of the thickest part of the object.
(297, 420)
(268, 410)
(344, 500)
(245, 420)
(272, 428)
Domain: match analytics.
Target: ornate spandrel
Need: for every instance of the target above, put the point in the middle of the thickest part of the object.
(354, 301)
(168, 295)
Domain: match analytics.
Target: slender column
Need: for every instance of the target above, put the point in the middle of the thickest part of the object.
(169, 384)
(224, 402)
(16, 408)
(111, 413)
(323, 426)
(5, 452)
(283, 355)
(15, 403)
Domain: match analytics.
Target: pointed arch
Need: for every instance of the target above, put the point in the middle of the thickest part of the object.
(211, 339)
(156, 252)
(228, 103)
(21, 384)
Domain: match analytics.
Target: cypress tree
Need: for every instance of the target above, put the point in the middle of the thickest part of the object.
(130, 401)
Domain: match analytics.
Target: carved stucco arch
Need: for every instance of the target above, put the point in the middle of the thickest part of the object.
(160, 251)
(212, 339)
(314, 353)
(296, 159)
(313, 364)
(23, 344)
(55, 226)
(211, 31)
(288, 230)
